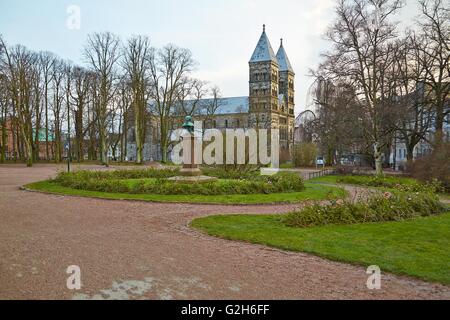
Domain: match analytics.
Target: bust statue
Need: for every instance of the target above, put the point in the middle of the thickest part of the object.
(188, 124)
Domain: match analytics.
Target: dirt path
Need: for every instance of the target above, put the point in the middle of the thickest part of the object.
(136, 250)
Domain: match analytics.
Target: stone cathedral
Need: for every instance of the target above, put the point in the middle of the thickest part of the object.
(270, 103)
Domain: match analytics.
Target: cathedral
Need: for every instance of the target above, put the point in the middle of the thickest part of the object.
(270, 103)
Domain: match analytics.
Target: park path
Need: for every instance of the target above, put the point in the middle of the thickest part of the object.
(138, 250)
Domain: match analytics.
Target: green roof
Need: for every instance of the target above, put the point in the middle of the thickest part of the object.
(41, 135)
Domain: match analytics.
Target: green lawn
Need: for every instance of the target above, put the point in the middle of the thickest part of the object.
(419, 247)
(363, 180)
(325, 179)
(311, 192)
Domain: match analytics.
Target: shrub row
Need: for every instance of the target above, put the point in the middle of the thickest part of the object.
(282, 182)
(387, 207)
(232, 172)
(433, 166)
(398, 183)
(118, 174)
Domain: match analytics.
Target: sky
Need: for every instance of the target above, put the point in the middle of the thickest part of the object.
(221, 34)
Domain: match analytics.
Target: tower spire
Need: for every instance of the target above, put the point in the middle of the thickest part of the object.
(283, 60)
(263, 50)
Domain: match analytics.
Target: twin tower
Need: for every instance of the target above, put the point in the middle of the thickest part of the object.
(271, 96)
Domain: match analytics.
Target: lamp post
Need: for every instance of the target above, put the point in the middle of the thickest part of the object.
(68, 137)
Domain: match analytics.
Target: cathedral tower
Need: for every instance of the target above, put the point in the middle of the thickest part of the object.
(286, 97)
(286, 81)
(263, 84)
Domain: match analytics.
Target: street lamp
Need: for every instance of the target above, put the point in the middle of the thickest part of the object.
(68, 137)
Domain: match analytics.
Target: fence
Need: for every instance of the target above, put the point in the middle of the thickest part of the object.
(317, 174)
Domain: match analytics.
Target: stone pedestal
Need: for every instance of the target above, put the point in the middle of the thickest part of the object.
(190, 173)
(190, 168)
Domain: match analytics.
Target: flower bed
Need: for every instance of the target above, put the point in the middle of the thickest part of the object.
(386, 207)
(404, 184)
(153, 181)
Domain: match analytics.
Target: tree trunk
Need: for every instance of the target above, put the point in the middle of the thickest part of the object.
(164, 149)
(47, 153)
(138, 133)
(28, 147)
(438, 136)
(29, 154)
(409, 152)
(123, 144)
(3, 148)
(104, 147)
(377, 154)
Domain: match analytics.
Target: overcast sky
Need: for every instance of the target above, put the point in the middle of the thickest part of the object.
(221, 34)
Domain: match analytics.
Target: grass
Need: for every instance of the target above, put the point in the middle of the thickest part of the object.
(418, 247)
(325, 179)
(445, 196)
(363, 180)
(311, 192)
(287, 165)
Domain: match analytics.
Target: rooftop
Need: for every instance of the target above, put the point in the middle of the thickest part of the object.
(263, 51)
(283, 60)
(226, 105)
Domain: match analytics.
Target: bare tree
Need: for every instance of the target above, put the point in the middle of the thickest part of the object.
(413, 112)
(56, 106)
(46, 60)
(80, 96)
(92, 119)
(362, 34)
(4, 107)
(124, 106)
(335, 125)
(17, 64)
(434, 44)
(169, 67)
(102, 53)
(4, 110)
(212, 105)
(137, 66)
(36, 92)
(190, 96)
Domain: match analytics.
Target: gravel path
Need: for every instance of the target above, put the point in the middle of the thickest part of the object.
(137, 250)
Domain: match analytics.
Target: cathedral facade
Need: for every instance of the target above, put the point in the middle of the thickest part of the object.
(270, 103)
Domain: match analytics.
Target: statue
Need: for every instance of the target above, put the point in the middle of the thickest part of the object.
(190, 172)
(188, 124)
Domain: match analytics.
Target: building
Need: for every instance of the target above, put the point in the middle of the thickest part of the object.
(398, 155)
(270, 103)
(426, 126)
(11, 147)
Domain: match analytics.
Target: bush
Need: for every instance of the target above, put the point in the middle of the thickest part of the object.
(232, 171)
(435, 166)
(305, 154)
(352, 169)
(118, 174)
(399, 183)
(387, 207)
(153, 182)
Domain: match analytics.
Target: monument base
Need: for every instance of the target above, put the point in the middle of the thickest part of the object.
(192, 179)
(190, 172)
